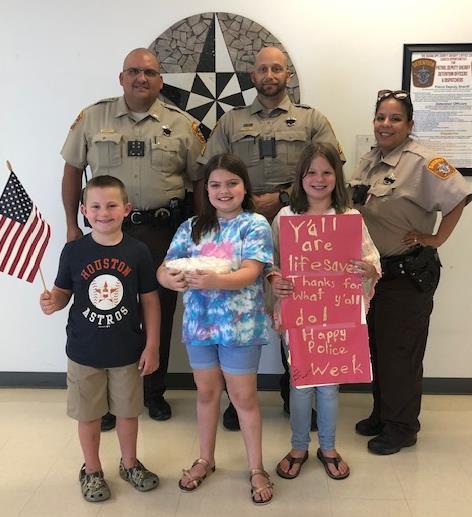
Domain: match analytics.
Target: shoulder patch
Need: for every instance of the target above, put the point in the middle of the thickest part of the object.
(304, 106)
(441, 168)
(196, 131)
(80, 116)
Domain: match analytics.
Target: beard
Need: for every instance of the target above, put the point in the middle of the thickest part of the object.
(271, 90)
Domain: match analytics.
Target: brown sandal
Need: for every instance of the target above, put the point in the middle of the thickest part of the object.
(292, 460)
(334, 461)
(256, 491)
(196, 481)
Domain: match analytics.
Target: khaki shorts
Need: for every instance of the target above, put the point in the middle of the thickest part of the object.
(92, 392)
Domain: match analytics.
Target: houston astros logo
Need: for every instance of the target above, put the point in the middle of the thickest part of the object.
(105, 292)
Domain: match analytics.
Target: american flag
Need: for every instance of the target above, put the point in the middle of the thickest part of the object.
(24, 234)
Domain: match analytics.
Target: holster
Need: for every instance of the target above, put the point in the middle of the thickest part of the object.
(421, 266)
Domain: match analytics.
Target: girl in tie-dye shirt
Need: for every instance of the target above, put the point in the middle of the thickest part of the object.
(225, 323)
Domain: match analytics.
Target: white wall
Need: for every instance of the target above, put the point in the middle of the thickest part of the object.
(57, 56)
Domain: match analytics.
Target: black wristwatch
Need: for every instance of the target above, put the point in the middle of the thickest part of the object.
(284, 197)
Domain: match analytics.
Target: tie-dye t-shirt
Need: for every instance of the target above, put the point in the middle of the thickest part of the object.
(223, 316)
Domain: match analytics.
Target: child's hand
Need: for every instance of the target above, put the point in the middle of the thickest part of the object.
(202, 279)
(174, 279)
(47, 303)
(281, 287)
(365, 269)
(149, 360)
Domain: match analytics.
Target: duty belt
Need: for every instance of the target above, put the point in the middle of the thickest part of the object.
(394, 266)
(158, 216)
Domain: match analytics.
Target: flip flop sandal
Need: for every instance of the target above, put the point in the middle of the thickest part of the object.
(196, 481)
(256, 491)
(334, 461)
(291, 461)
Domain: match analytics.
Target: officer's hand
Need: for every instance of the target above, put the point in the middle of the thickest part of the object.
(268, 205)
(74, 233)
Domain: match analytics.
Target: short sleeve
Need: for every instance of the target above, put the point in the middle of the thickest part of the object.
(442, 187)
(147, 281)
(179, 247)
(64, 276)
(195, 145)
(323, 132)
(217, 143)
(257, 243)
(74, 150)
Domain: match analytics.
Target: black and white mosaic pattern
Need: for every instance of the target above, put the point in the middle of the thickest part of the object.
(205, 64)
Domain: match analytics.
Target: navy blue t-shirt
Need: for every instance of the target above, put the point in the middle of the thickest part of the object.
(105, 328)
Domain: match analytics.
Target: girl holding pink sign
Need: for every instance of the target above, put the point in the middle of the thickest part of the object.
(319, 189)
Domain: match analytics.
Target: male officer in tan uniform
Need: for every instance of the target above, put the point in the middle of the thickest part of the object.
(152, 147)
(269, 136)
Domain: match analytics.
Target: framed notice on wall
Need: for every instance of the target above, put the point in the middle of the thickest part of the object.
(439, 79)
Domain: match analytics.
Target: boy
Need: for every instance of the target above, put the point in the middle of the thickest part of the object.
(112, 278)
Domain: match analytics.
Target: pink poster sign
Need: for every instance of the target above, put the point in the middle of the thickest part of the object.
(324, 316)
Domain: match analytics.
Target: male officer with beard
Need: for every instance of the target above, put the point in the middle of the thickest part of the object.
(269, 136)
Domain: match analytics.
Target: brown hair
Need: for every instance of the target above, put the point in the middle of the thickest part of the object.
(339, 196)
(103, 182)
(207, 220)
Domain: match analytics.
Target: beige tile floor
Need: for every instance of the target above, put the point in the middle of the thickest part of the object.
(41, 458)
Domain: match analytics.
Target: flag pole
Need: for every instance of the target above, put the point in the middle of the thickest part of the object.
(10, 168)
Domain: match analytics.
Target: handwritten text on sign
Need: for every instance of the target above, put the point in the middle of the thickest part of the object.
(328, 343)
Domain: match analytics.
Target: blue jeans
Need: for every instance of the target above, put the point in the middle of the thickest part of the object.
(300, 415)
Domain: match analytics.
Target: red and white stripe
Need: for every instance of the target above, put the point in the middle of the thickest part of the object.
(22, 245)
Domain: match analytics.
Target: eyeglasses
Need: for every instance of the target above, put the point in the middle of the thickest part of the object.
(148, 72)
(397, 94)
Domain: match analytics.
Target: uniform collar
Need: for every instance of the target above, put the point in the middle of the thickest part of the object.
(154, 111)
(392, 159)
(257, 107)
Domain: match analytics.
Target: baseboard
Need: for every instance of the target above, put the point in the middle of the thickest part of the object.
(265, 382)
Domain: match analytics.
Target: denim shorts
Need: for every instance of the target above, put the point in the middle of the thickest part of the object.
(237, 360)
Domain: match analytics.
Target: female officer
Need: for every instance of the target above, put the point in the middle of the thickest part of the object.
(399, 186)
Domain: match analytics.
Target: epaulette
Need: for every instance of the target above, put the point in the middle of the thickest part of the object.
(173, 107)
(304, 106)
(81, 115)
(102, 101)
(239, 107)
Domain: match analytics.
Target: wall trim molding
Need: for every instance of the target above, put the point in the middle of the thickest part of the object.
(265, 382)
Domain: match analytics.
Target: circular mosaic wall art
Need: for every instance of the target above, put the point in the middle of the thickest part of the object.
(205, 64)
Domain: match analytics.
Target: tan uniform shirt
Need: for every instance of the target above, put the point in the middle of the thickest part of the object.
(407, 189)
(240, 130)
(100, 138)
